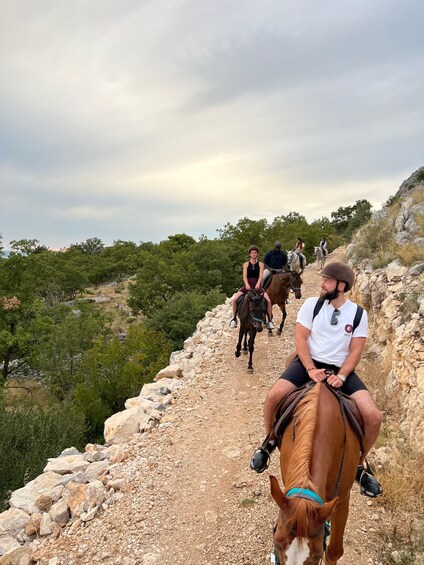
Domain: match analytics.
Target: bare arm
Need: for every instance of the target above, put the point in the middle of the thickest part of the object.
(246, 282)
(261, 274)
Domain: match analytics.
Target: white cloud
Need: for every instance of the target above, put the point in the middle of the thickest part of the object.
(174, 116)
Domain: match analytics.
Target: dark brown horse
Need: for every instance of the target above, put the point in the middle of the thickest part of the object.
(319, 458)
(251, 310)
(278, 291)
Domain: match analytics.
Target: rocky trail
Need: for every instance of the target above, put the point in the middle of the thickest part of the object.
(190, 496)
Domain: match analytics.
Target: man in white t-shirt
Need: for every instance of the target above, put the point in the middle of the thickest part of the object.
(328, 342)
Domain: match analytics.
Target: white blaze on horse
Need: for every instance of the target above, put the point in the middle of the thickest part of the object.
(320, 256)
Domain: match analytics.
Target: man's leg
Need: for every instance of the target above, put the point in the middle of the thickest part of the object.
(372, 418)
(261, 457)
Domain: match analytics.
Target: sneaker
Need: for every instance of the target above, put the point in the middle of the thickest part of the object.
(233, 323)
(368, 483)
(260, 460)
(288, 301)
(270, 325)
(261, 457)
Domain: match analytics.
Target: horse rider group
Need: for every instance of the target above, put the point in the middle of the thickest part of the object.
(330, 336)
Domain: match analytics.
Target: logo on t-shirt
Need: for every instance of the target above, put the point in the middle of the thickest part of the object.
(348, 328)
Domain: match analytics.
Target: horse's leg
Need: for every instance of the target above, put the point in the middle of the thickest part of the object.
(252, 335)
(238, 347)
(338, 523)
(245, 343)
(284, 316)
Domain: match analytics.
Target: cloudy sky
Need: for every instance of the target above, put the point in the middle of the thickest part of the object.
(137, 119)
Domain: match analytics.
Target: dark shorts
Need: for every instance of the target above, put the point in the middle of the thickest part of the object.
(252, 283)
(298, 375)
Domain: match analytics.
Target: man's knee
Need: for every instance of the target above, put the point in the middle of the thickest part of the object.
(278, 391)
(369, 410)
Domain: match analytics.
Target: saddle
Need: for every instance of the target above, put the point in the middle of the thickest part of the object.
(288, 405)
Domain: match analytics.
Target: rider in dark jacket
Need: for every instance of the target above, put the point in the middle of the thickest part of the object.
(274, 260)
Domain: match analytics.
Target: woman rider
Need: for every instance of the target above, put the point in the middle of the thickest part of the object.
(253, 271)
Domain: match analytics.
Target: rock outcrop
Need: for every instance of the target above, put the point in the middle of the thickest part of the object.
(394, 298)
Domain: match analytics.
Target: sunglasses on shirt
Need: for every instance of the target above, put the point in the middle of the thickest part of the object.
(335, 317)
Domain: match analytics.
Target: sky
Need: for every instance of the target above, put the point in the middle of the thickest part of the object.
(137, 119)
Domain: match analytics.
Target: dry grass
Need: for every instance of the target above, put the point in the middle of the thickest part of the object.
(402, 478)
(18, 390)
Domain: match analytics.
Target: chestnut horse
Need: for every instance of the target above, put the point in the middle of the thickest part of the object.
(278, 292)
(319, 457)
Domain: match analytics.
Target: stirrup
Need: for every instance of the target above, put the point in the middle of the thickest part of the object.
(368, 484)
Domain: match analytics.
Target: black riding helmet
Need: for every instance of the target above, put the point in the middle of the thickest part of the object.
(253, 248)
(340, 272)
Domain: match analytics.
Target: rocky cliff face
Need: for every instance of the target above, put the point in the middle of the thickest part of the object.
(394, 298)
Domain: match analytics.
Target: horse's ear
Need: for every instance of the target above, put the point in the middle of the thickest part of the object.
(326, 510)
(277, 493)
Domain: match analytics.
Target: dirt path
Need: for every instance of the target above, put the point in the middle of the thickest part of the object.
(193, 499)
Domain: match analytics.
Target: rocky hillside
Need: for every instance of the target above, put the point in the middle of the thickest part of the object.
(394, 296)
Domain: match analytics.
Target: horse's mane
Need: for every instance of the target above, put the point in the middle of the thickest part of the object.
(298, 473)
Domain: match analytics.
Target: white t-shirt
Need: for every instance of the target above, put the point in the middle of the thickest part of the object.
(327, 343)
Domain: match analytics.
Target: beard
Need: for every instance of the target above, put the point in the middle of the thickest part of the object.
(326, 295)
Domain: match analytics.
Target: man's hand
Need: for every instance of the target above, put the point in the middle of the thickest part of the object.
(334, 380)
(317, 375)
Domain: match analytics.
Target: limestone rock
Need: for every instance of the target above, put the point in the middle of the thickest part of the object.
(122, 425)
(83, 498)
(67, 464)
(26, 497)
(13, 521)
(170, 372)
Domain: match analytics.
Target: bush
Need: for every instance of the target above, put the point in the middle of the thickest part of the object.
(375, 242)
(111, 372)
(178, 318)
(29, 435)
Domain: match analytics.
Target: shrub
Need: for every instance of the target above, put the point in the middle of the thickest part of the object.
(29, 435)
(375, 242)
(113, 371)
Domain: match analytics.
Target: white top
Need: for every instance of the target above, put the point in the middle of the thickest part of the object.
(327, 343)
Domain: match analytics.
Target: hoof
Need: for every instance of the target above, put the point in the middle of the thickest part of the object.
(270, 334)
(250, 371)
(279, 332)
(237, 353)
(245, 352)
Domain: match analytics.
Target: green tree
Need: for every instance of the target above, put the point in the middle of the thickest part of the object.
(91, 246)
(113, 371)
(347, 219)
(73, 332)
(24, 328)
(179, 316)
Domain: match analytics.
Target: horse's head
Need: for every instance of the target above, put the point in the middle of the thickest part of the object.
(257, 307)
(296, 283)
(300, 529)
